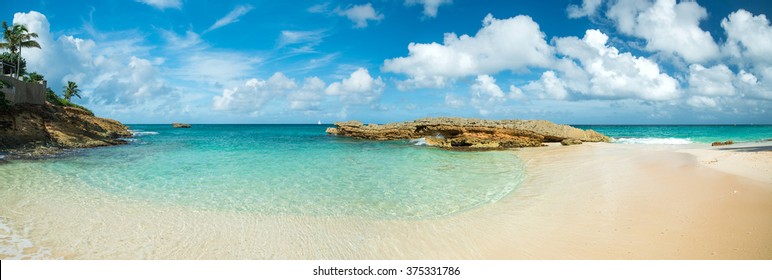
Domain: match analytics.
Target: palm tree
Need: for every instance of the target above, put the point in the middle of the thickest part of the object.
(17, 37)
(71, 89)
(34, 77)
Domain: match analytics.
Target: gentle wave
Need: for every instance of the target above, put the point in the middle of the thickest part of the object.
(419, 142)
(651, 140)
(136, 133)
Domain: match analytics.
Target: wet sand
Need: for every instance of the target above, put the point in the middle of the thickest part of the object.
(592, 201)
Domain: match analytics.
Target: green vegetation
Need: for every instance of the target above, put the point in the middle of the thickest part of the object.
(53, 98)
(10, 59)
(33, 77)
(16, 38)
(70, 89)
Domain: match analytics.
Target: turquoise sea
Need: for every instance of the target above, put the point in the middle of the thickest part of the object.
(299, 170)
(288, 173)
(286, 169)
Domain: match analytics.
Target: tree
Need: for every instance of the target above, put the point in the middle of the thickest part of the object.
(34, 77)
(17, 37)
(10, 60)
(71, 89)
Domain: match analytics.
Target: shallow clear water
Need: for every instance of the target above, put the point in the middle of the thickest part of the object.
(682, 134)
(286, 169)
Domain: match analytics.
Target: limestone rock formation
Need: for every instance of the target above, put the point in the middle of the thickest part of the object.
(28, 130)
(180, 125)
(570, 141)
(728, 142)
(476, 134)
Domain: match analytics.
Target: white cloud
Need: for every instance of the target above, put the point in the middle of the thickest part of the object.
(549, 86)
(508, 44)
(749, 37)
(607, 72)
(108, 72)
(486, 95)
(254, 94)
(358, 88)
(668, 27)
(134, 84)
(453, 101)
(588, 8)
(702, 102)
(231, 17)
(430, 6)
(308, 39)
(309, 97)
(318, 8)
(713, 81)
(162, 4)
(360, 14)
(176, 42)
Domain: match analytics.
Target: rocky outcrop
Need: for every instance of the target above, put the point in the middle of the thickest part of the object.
(180, 125)
(28, 130)
(570, 141)
(728, 142)
(461, 133)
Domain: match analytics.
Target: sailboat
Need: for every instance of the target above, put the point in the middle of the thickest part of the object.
(319, 122)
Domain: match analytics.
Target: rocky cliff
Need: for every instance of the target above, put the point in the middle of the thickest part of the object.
(28, 130)
(461, 133)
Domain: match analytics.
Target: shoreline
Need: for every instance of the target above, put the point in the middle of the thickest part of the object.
(590, 201)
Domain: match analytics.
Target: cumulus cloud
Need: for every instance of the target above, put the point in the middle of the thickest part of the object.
(549, 86)
(501, 44)
(233, 16)
(254, 94)
(588, 8)
(487, 95)
(251, 97)
(358, 88)
(108, 72)
(668, 27)
(132, 85)
(430, 6)
(162, 4)
(595, 70)
(749, 37)
(713, 81)
(359, 14)
(308, 97)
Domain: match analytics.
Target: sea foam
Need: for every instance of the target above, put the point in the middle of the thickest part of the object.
(653, 141)
(136, 133)
(419, 142)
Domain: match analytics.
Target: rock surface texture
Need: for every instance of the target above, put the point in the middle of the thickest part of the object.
(180, 125)
(38, 130)
(473, 134)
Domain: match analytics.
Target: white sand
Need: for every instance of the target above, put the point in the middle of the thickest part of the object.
(593, 201)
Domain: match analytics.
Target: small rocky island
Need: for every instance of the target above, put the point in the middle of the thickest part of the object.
(32, 130)
(180, 125)
(471, 134)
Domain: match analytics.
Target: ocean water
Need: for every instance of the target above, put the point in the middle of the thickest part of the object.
(286, 170)
(173, 192)
(682, 134)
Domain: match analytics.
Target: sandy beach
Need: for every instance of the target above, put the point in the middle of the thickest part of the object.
(591, 201)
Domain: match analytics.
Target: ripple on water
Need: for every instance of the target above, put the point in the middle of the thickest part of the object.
(294, 171)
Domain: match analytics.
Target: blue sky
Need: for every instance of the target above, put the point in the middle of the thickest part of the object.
(575, 62)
